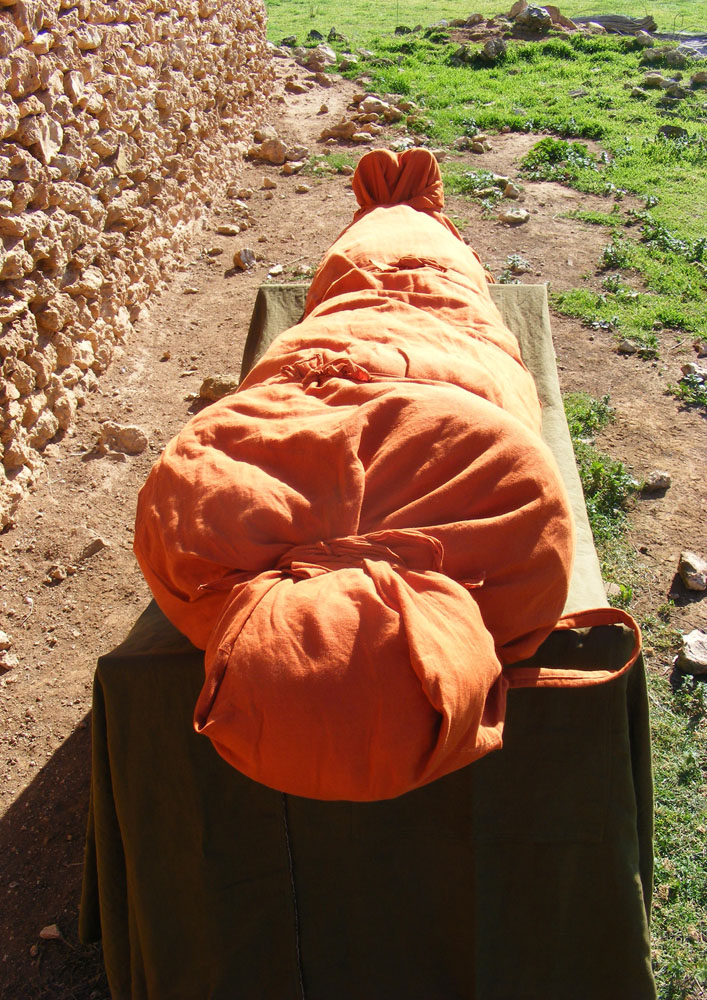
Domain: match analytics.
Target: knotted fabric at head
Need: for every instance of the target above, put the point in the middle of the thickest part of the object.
(344, 673)
(411, 178)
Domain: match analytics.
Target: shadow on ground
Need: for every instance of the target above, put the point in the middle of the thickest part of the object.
(41, 846)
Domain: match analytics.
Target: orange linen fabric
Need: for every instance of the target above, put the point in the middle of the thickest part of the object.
(371, 528)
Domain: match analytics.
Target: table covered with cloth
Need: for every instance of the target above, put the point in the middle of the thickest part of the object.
(525, 874)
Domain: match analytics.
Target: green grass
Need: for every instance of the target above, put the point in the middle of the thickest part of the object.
(690, 390)
(359, 19)
(608, 486)
(679, 919)
(325, 164)
(678, 726)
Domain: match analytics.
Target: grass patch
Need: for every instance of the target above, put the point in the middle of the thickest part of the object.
(667, 257)
(607, 484)
(690, 390)
(678, 727)
(325, 164)
(679, 921)
(360, 19)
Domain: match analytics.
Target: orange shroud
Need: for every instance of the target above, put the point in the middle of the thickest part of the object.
(371, 529)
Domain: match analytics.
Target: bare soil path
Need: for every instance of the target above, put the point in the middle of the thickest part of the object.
(58, 630)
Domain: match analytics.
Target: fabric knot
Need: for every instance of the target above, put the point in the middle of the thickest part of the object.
(316, 369)
(409, 549)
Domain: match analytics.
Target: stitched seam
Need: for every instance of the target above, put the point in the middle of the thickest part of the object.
(291, 869)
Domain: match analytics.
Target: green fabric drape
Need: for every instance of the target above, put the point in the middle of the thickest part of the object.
(525, 876)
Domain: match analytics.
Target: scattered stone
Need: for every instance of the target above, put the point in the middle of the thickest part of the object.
(627, 347)
(612, 589)
(214, 251)
(342, 130)
(228, 229)
(8, 661)
(125, 438)
(296, 153)
(95, 546)
(638, 92)
(655, 81)
(514, 216)
(511, 191)
(693, 571)
(323, 110)
(373, 105)
(673, 132)
(215, 387)
(244, 259)
(302, 188)
(51, 933)
(271, 150)
(296, 87)
(534, 19)
(579, 92)
(289, 41)
(676, 59)
(5, 641)
(692, 368)
(276, 270)
(677, 92)
(269, 184)
(701, 347)
(699, 79)
(478, 145)
(268, 196)
(191, 290)
(347, 170)
(692, 658)
(291, 168)
(656, 482)
(494, 49)
(55, 574)
(644, 40)
(166, 356)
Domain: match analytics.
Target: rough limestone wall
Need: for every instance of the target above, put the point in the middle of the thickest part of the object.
(118, 121)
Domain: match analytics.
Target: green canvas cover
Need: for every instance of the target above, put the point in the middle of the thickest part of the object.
(525, 876)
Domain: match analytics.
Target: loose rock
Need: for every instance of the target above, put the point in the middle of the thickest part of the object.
(269, 184)
(244, 259)
(627, 347)
(656, 481)
(692, 658)
(514, 216)
(8, 661)
(228, 229)
(92, 548)
(693, 571)
(125, 438)
(51, 933)
(302, 188)
(215, 387)
(5, 641)
(289, 169)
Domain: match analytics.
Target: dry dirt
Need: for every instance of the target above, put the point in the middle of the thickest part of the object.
(58, 630)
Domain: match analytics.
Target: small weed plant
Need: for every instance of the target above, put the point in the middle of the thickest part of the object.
(690, 390)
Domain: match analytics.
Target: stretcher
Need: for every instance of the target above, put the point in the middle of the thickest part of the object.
(524, 876)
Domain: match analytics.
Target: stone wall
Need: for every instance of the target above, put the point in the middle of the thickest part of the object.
(119, 120)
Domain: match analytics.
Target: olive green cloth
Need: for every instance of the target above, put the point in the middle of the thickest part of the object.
(525, 876)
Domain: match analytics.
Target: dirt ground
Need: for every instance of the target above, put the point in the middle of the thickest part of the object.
(58, 630)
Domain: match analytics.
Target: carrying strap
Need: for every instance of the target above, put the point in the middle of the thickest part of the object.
(536, 674)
